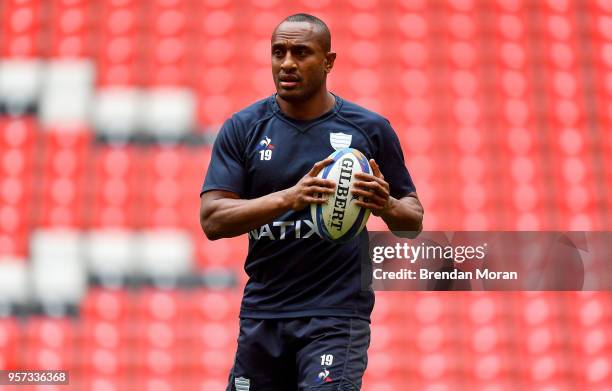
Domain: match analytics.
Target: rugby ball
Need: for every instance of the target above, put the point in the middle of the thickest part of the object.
(340, 220)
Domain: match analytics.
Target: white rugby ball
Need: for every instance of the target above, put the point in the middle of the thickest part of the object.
(340, 220)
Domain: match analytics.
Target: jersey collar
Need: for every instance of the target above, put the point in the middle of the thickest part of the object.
(304, 125)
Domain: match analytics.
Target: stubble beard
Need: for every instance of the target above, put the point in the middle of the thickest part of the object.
(304, 94)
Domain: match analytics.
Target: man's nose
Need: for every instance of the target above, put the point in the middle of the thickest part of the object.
(288, 62)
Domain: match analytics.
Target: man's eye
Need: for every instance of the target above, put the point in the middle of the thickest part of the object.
(277, 53)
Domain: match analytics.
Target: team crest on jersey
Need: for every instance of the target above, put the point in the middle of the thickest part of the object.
(340, 140)
(242, 384)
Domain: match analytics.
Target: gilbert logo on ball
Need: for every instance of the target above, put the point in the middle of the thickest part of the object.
(340, 219)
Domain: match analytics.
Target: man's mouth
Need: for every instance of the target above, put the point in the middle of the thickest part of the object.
(288, 81)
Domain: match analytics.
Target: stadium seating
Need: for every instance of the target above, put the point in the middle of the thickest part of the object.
(107, 110)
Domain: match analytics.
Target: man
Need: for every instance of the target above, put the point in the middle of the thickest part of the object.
(304, 318)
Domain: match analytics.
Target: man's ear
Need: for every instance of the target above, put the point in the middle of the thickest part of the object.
(330, 57)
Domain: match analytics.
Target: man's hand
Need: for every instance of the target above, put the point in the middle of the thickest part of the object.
(306, 190)
(374, 190)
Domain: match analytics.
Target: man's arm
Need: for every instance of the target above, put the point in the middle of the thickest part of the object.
(224, 214)
(404, 214)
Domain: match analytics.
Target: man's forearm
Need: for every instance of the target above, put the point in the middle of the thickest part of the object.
(223, 214)
(405, 214)
(228, 217)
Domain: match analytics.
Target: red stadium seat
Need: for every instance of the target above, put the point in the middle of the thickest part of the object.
(211, 363)
(108, 305)
(155, 362)
(121, 49)
(215, 335)
(102, 333)
(21, 24)
(97, 382)
(17, 132)
(49, 343)
(119, 20)
(97, 361)
(49, 332)
(217, 306)
(218, 23)
(69, 35)
(160, 305)
(262, 22)
(17, 171)
(170, 21)
(511, 27)
(151, 382)
(365, 25)
(14, 244)
(196, 383)
(413, 25)
(226, 253)
(10, 355)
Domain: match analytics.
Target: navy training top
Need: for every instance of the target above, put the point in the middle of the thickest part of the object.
(292, 271)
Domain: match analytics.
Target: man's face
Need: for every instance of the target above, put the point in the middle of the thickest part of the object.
(299, 62)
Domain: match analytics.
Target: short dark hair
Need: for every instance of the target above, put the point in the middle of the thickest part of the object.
(320, 26)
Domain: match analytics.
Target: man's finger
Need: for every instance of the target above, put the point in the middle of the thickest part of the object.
(375, 169)
(374, 186)
(318, 189)
(371, 191)
(318, 166)
(314, 181)
(370, 195)
(315, 200)
(365, 177)
(369, 205)
(371, 178)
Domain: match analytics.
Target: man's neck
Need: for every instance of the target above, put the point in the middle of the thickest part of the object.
(313, 108)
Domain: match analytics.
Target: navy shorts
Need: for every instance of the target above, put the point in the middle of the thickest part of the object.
(319, 353)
